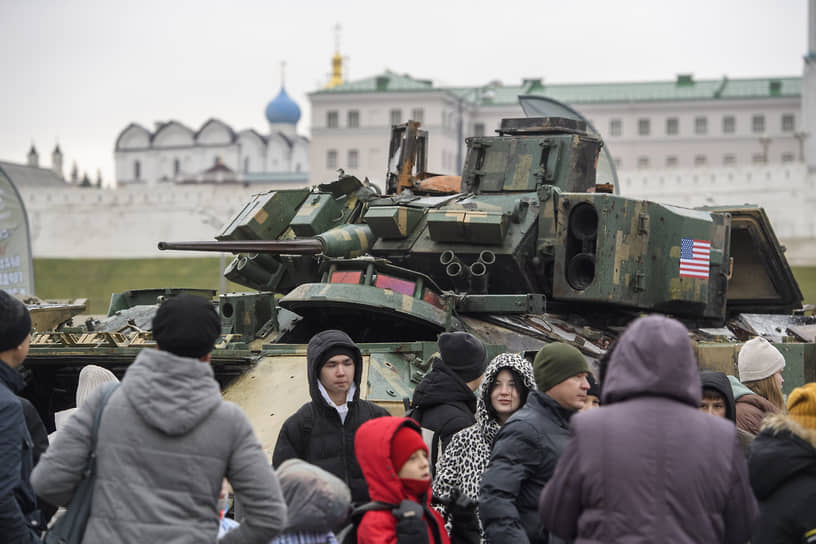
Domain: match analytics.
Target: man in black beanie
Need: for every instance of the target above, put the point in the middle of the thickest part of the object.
(19, 516)
(444, 402)
(166, 442)
(322, 431)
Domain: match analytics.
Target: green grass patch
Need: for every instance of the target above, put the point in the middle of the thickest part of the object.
(806, 277)
(97, 279)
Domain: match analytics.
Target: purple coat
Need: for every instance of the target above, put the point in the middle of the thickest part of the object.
(648, 466)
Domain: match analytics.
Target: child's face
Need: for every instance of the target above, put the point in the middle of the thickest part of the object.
(591, 402)
(416, 467)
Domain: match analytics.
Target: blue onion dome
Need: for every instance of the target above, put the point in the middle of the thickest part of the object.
(283, 109)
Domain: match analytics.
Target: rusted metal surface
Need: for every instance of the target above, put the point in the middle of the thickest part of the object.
(440, 184)
(48, 315)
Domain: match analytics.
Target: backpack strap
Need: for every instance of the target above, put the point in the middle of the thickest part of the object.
(348, 534)
(91, 466)
(110, 388)
(361, 510)
(432, 522)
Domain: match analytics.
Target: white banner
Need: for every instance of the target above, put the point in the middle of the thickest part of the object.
(16, 269)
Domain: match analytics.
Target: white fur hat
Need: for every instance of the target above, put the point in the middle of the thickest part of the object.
(758, 359)
(91, 377)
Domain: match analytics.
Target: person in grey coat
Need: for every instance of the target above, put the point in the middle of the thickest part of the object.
(165, 443)
(648, 466)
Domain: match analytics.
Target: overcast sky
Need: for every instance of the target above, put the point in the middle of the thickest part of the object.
(77, 72)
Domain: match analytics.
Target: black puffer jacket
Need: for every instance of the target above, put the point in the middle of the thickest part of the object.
(782, 468)
(444, 404)
(18, 506)
(523, 460)
(315, 432)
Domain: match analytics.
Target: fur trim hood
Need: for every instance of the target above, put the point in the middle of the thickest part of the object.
(781, 451)
(778, 423)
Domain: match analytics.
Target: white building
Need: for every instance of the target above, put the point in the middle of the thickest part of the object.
(668, 124)
(215, 153)
(682, 123)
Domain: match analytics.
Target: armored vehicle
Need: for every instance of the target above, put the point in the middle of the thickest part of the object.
(525, 247)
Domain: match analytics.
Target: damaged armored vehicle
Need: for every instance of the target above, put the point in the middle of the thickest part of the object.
(527, 246)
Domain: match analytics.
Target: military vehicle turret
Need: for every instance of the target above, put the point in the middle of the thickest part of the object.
(524, 248)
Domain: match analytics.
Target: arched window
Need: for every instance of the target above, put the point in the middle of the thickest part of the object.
(176, 167)
(137, 170)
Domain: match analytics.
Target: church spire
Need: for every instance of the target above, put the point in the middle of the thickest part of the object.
(337, 61)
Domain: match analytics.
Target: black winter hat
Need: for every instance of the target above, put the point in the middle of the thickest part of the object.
(15, 322)
(594, 386)
(187, 326)
(463, 353)
(339, 350)
(718, 382)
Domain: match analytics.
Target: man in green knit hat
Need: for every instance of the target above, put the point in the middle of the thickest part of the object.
(529, 444)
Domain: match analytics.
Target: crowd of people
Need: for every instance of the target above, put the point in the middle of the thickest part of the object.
(645, 449)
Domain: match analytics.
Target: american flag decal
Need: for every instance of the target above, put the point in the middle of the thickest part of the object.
(694, 258)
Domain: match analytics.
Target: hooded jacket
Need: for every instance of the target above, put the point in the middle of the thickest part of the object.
(751, 408)
(524, 455)
(315, 432)
(318, 503)
(466, 457)
(373, 447)
(18, 506)
(719, 382)
(783, 476)
(648, 466)
(166, 441)
(444, 404)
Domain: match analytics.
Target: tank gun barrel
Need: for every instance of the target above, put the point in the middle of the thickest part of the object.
(344, 241)
(307, 246)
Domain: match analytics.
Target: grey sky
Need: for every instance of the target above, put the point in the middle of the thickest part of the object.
(79, 71)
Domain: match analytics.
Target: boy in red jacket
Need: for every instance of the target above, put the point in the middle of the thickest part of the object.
(394, 460)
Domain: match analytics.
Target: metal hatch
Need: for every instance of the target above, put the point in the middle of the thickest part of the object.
(761, 278)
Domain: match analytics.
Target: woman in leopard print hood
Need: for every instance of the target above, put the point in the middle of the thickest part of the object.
(504, 388)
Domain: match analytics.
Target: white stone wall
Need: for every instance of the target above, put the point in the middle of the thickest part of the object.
(788, 194)
(129, 222)
(252, 152)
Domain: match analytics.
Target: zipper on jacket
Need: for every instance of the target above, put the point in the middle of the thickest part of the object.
(343, 434)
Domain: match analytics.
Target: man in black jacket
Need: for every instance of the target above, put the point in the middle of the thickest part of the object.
(19, 516)
(444, 402)
(528, 446)
(322, 431)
